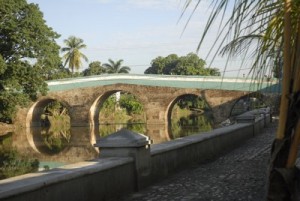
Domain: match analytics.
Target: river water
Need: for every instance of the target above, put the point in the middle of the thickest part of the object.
(54, 147)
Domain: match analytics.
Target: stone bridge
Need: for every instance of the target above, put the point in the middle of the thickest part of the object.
(158, 94)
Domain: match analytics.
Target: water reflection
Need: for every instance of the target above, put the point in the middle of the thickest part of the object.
(12, 161)
(33, 148)
(191, 124)
(30, 149)
(54, 140)
(137, 127)
(178, 127)
(68, 146)
(52, 147)
(157, 132)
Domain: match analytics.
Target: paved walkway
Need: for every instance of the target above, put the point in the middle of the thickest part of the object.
(238, 175)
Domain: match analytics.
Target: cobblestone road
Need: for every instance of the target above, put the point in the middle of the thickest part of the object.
(238, 175)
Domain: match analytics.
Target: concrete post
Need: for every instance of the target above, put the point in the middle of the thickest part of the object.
(125, 143)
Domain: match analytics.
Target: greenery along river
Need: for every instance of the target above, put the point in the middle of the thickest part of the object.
(56, 142)
(189, 115)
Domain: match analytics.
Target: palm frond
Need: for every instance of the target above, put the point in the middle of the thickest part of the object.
(73, 55)
(268, 31)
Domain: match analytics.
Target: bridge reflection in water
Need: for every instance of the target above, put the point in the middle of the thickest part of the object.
(53, 147)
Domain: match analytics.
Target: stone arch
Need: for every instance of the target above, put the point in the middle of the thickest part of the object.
(33, 119)
(171, 105)
(256, 95)
(96, 105)
(39, 145)
(35, 111)
(221, 102)
(174, 101)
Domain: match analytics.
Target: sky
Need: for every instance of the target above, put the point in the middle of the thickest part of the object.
(136, 31)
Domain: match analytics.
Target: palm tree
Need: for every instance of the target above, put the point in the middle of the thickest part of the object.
(73, 55)
(269, 31)
(116, 67)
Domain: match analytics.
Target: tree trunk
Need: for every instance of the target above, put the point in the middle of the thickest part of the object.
(283, 175)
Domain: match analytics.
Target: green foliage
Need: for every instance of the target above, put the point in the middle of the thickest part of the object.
(6, 141)
(95, 68)
(109, 103)
(163, 65)
(137, 127)
(108, 110)
(190, 64)
(185, 126)
(127, 108)
(192, 101)
(12, 163)
(57, 134)
(190, 115)
(158, 64)
(54, 108)
(56, 140)
(60, 73)
(56, 116)
(73, 55)
(8, 102)
(116, 67)
(25, 39)
(250, 30)
(2, 65)
(131, 104)
(107, 129)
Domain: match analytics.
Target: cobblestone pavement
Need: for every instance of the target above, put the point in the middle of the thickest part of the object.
(239, 175)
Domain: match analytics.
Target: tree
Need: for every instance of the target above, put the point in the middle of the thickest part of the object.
(163, 65)
(268, 31)
(157, 66)
(95, 68)
(59, 73)
(13, 163)
(116, 67)
(190, 64)
(131, 104)
(27, 51)
(73, 55)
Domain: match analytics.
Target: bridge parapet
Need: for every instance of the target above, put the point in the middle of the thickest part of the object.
(171, 81)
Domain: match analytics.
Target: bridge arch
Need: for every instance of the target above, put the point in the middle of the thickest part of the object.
(248, 102)
(172, 103)
(175, 100)
(97, 104)
(33, 118)
(34, 123)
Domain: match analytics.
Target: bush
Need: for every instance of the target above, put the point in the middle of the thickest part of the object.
(12, 163)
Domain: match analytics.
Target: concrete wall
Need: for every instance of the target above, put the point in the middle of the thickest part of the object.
(172, 156)
(105, 179)
(111, 178)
